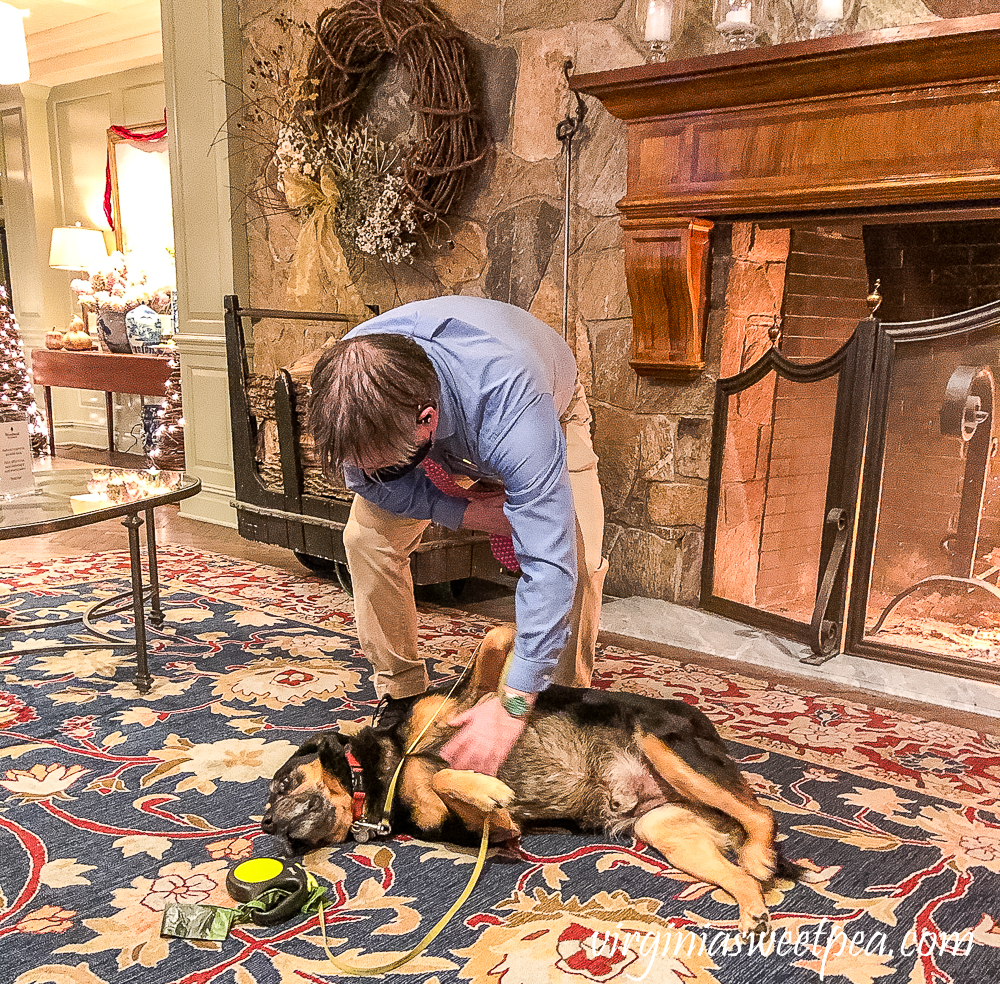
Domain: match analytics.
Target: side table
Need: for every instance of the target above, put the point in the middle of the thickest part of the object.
(145, 375)
(49, 509)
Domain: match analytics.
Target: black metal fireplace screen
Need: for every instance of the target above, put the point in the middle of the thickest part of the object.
(853, 502)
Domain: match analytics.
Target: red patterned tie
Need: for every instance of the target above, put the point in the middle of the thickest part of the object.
(502, 547)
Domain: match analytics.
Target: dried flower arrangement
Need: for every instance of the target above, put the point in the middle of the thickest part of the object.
(112, 286)
(382, 195)
(374, 214)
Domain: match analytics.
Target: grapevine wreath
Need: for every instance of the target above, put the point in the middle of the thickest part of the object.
(354, 44)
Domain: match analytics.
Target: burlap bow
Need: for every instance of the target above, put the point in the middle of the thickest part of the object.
(319, 273)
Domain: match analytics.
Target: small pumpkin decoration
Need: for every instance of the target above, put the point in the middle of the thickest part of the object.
(54, 339)
(77, 339)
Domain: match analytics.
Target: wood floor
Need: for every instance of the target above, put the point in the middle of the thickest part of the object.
(479, 597)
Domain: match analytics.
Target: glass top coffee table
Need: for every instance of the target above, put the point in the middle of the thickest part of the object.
(66, 499)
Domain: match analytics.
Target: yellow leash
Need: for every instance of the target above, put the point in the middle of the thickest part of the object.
(473, 878)
(429, 938)
(391, 793)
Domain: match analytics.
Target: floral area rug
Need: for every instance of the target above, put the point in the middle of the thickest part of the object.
(114, 804)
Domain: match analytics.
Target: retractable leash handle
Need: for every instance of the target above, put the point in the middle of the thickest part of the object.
(270, 890)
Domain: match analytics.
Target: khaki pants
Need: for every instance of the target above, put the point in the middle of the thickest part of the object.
(379, 544)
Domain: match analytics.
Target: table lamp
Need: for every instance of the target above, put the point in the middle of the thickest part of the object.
(76, 248)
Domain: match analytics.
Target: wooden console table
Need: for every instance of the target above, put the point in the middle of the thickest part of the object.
(145, 375)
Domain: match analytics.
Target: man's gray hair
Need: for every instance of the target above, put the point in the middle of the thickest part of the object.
(367, 393)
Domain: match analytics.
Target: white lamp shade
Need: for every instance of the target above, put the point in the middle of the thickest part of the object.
(13, 47)
(76, 248)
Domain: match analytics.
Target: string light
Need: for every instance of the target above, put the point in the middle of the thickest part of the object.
(17, 392)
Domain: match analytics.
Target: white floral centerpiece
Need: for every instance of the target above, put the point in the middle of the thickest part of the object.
(112, 291)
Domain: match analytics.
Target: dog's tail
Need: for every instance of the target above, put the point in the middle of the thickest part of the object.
(793, 871)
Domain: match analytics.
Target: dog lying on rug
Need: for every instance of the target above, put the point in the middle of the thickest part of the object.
(612, 761)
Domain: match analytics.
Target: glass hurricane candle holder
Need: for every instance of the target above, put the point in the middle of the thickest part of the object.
(659, 23)
(829, 18)
(741, 23)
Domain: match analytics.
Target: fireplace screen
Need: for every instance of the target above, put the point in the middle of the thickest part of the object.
(772, 497)
(931, 541)
(853, 502)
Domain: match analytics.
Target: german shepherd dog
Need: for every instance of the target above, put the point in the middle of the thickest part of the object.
(620, 762)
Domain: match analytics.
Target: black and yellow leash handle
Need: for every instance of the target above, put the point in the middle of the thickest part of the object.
(272, 890)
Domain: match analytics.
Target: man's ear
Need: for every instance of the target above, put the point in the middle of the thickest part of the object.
(428, 416)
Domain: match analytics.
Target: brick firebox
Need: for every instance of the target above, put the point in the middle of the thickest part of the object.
(939, 510)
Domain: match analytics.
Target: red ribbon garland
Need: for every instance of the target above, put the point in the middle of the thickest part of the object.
(126, 134)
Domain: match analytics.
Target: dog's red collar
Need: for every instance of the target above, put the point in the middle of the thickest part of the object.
(357, 786)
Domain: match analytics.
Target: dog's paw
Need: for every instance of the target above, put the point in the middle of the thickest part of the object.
(759, 860)
(489, 793)
(755, 925)
(485, 793)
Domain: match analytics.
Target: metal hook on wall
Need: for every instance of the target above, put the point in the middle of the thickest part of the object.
(771, 321)
(566, 129)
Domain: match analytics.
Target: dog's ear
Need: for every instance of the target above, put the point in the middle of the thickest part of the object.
(314, 745)
(391, 713)
(331, 750)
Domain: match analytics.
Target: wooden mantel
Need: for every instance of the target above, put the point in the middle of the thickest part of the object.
(897, 117)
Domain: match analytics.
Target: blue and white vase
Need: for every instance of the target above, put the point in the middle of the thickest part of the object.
(142, 325)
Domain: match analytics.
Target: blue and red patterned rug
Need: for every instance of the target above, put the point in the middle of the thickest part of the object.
(114, 804)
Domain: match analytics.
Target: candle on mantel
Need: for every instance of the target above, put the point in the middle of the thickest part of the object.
(739, 15)
(658, 16)
(829, 10)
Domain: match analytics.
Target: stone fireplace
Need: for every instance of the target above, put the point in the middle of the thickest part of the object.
(771, 190)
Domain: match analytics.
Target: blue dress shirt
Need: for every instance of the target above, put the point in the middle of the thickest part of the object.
(506, 379)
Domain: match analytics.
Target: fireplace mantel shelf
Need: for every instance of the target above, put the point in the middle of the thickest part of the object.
(897, 117)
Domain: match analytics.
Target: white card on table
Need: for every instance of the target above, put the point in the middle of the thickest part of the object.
(15, 458)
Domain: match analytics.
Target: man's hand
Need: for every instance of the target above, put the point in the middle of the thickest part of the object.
(486, 737)
(487, 515)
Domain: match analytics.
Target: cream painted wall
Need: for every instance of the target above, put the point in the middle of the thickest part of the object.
(63, 132)
(28, 206)
(209, 263)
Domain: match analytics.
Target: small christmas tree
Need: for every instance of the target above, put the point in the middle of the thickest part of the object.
(167, 452)
(17, 395)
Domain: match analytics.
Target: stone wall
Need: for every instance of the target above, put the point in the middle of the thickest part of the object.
(653, 437)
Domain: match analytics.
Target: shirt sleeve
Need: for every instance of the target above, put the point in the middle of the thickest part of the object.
(529, 454)
(413, 495)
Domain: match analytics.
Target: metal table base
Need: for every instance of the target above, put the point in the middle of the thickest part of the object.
(137, 596)
(50, 508)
